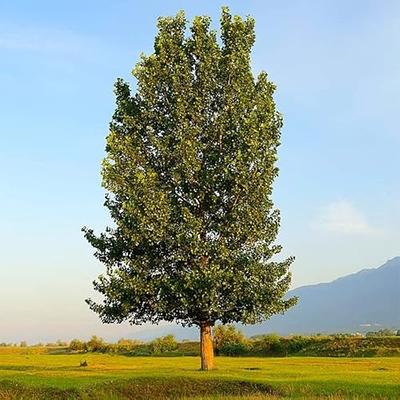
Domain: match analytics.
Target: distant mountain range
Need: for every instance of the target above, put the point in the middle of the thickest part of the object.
(368, 300)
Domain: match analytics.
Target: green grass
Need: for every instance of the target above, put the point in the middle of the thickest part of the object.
(33, 373)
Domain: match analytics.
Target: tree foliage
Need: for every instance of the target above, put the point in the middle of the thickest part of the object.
(164, 344)
(191, 159)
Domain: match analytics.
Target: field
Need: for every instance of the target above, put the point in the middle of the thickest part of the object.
(37, 373)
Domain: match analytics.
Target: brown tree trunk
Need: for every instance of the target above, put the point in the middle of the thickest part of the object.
(206, 346)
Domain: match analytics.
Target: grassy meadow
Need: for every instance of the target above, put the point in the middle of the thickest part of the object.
(42, 373)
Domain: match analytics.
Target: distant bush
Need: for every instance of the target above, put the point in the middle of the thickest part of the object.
(296, 344)
(141, 351)
(352, 346)
(229, 341)
(189, 348)
(96, 344)
(234, 349)
(163, 344)
(77, 345)
(382, 332)
(126, 345)
(270, 345)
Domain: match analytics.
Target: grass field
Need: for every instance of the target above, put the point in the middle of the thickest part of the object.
(36, 373)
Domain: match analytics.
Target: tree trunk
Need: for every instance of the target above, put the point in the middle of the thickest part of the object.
(206, 347)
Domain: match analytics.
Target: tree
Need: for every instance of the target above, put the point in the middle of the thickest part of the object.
(230, 341)
(96, 344)
(191, 159)
(77, 345)
(164, 344)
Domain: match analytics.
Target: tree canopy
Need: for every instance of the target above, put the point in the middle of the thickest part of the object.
(190, 164)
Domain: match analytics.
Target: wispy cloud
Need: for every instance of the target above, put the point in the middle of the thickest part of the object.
(344, 218)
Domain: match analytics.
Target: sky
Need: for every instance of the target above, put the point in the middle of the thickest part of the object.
(336, 65)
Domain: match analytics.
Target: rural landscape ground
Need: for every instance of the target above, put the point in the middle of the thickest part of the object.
(41, 373)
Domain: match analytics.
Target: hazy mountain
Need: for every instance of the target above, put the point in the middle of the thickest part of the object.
(364, 301)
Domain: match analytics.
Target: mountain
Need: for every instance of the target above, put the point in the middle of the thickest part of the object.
(364, 301)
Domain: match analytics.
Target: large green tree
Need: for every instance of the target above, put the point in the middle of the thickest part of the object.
(191, 159)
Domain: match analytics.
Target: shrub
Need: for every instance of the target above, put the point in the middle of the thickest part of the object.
(189, 348)
(143, 350)
(228, 340)
(127, 345)
(234, 349)
(164, 344)
(381, 332)
(96, 344)
(296, 344)
(77, 345)
(270, 345)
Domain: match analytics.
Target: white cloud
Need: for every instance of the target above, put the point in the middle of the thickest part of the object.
(342, 217)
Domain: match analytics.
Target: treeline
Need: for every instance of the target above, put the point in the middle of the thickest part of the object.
(58, 343)
(229, 341)
(383, 332)
(232, 342)
(165, 345)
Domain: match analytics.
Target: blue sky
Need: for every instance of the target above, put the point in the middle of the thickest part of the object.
(336, 65)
